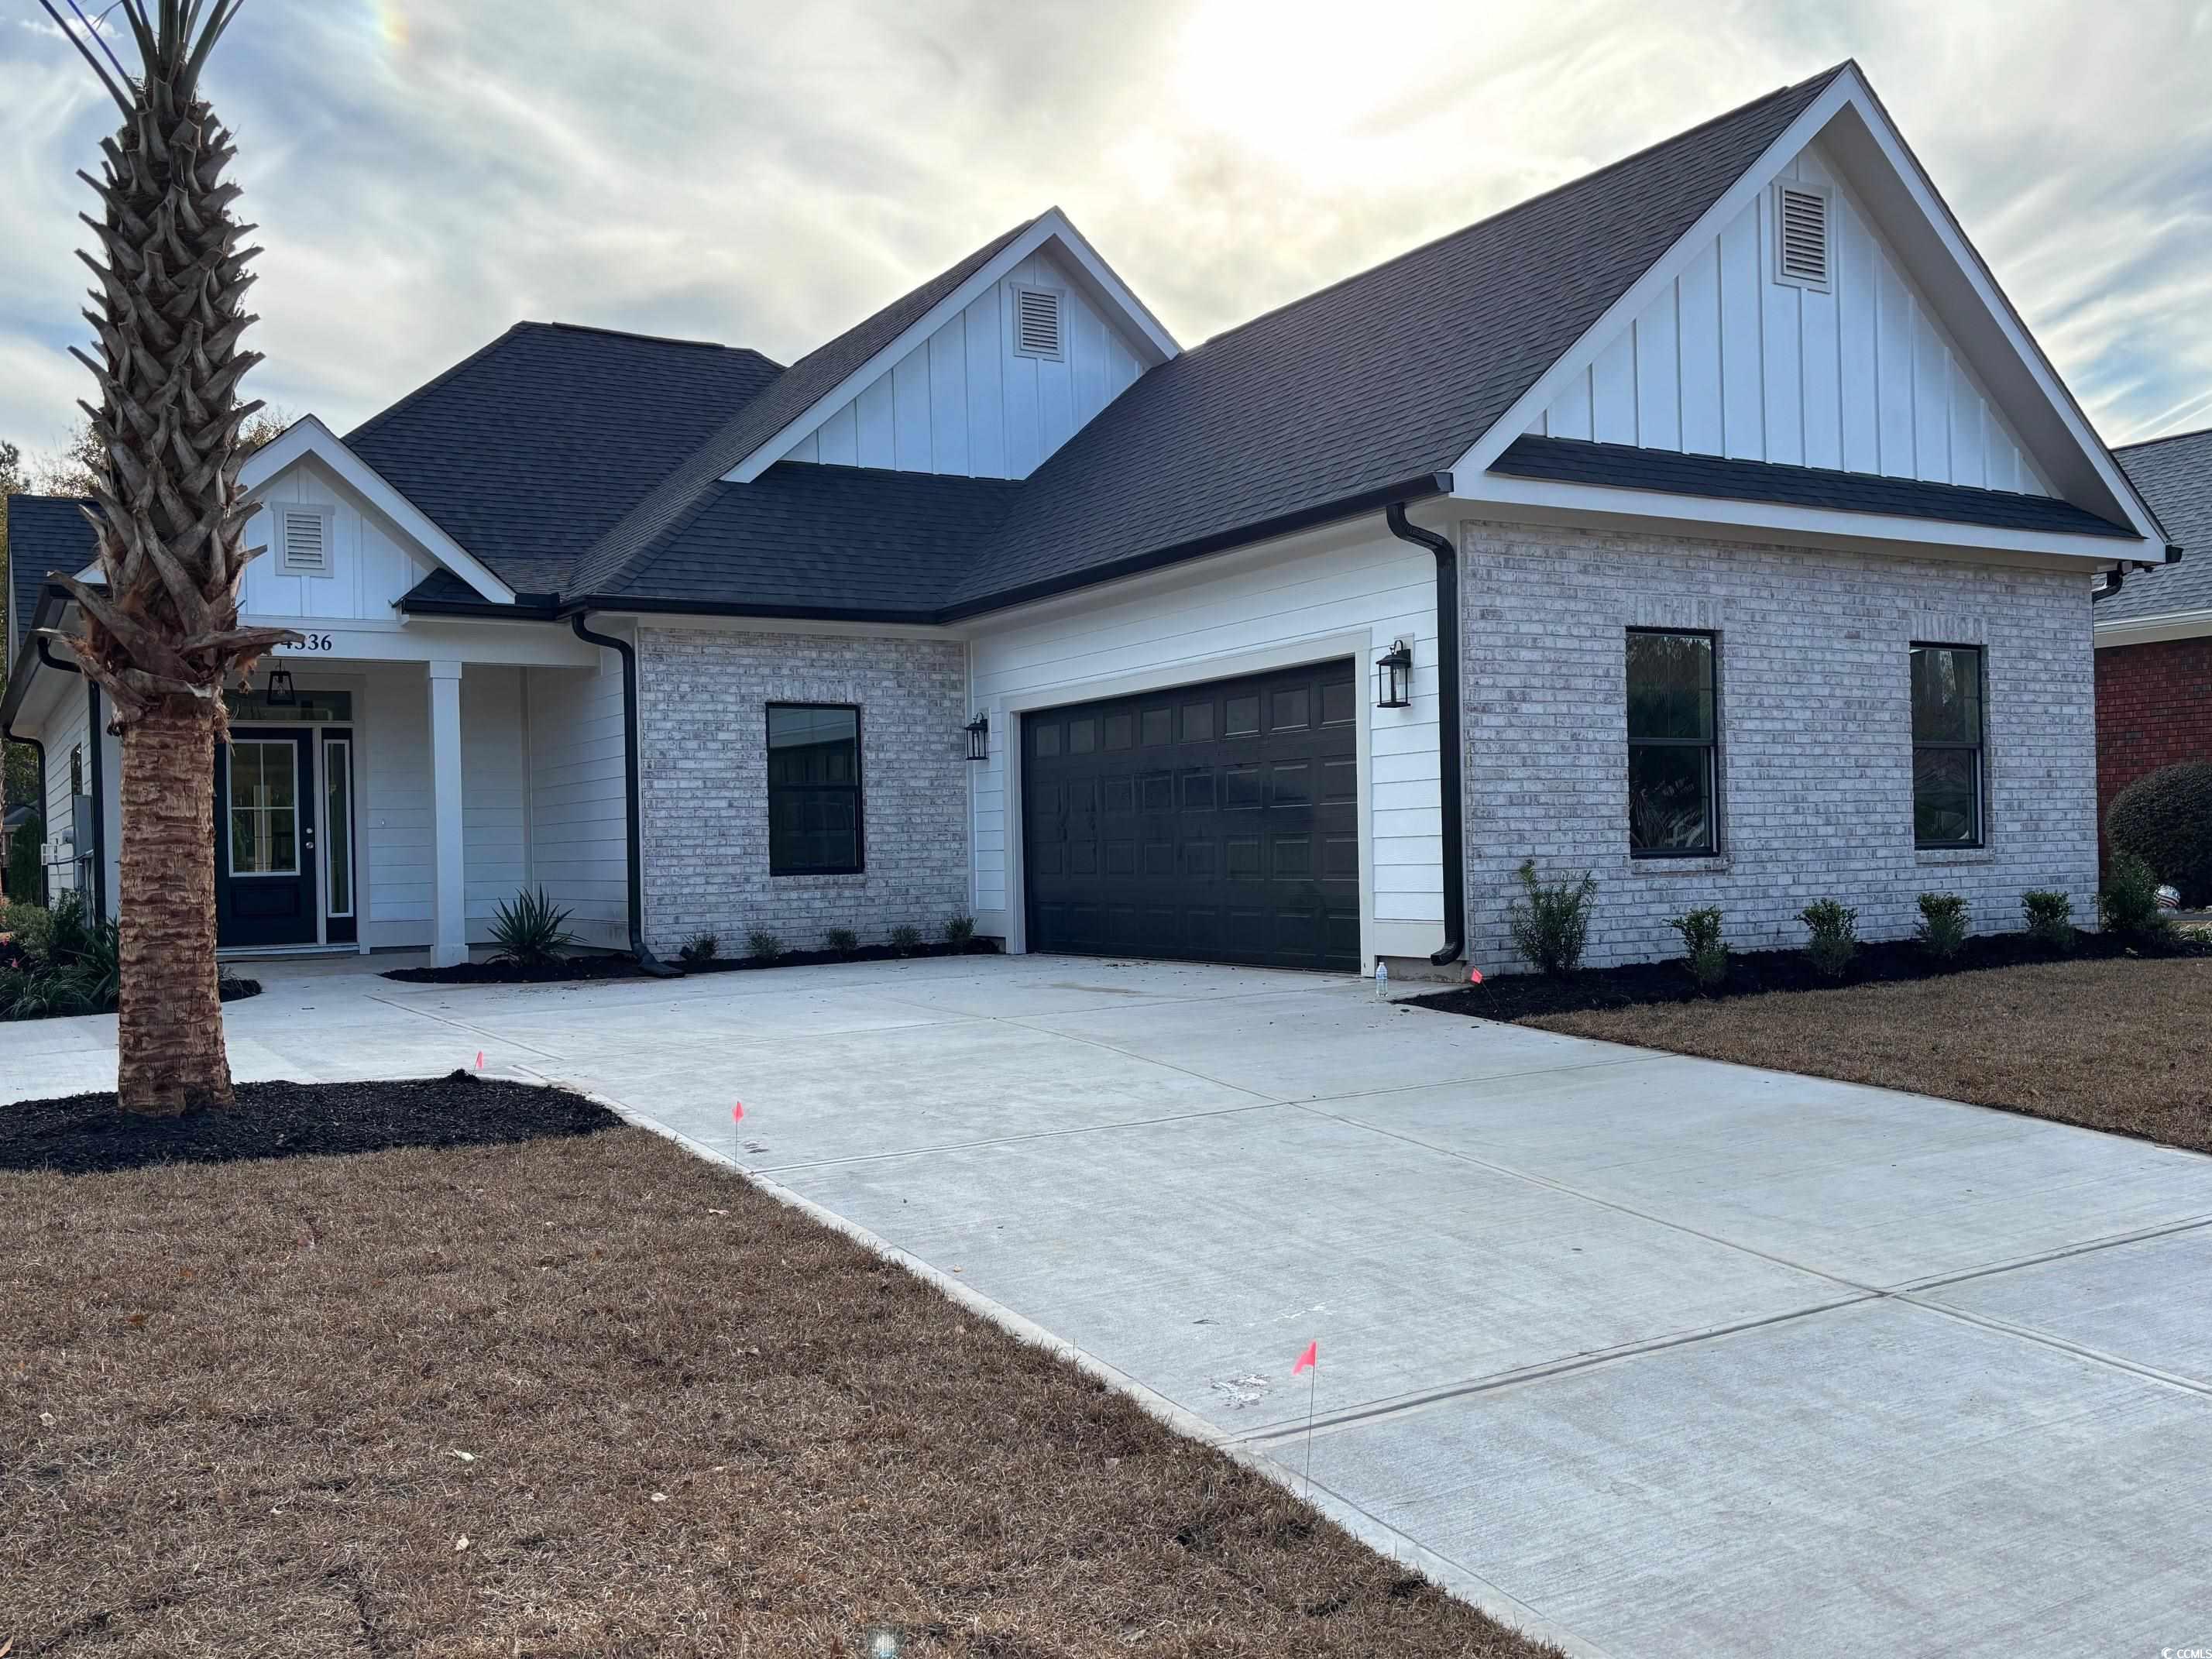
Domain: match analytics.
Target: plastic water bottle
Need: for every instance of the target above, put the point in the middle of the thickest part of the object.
(1381, 978)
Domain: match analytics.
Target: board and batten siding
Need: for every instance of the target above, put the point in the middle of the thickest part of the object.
(962, 401)
(1182, 629)
(1863, 378)
(369, 570)
(578, 806)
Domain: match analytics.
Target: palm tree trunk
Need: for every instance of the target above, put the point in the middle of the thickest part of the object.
(171, 1007)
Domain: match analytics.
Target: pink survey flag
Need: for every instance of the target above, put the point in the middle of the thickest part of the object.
(479, 1060)
(1475, 976)
(737, 1113)
(1308, 1359)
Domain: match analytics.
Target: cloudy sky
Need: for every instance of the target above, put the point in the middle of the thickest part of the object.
(765, 174)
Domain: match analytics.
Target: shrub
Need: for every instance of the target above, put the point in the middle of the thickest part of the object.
(27, 875)
(1835, 930)
(2050, 917)
(63, 961)
(1704, 951)
(1550, 921)
(2165, 818)
(906, 938)
(763, 946)
(1941, 928)
(959, 931)
(530, 928)
(2130, 901)
(699, 948)
(843, 940)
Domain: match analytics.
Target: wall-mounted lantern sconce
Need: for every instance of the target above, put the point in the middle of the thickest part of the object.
(1394, 677)
(979, 737)
(281, 693)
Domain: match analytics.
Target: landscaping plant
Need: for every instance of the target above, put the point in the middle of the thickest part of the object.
(1835, 936)
(843, 940)
(160, 635)
(959, 931)
(699, 948)
(763, 946)
(2130, 901)
(1550, 922)
(530, 930)
(1704, 951)
(2165, 818)
(1941, 928)
(2050, 917)
(906, 940)
(62, 961)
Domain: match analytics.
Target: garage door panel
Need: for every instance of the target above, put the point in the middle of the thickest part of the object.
(1218, 821)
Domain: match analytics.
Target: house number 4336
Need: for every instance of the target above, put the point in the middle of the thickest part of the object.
(315, 643)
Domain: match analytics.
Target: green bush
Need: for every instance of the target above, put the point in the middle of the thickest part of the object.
(1550, 922)
(30, 926)
(67, 962)
(2165, 818)
(959, 931)
(27, 875)
(1942, 929)
(1835, 936)
(530, 929)
(1704, 951)
(763, 946)
(905, 938)
(2050, 917)
(699, 948)
(2130, 901)
(843, 940)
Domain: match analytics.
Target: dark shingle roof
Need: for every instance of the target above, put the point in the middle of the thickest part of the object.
(45, 533)
(2175, 476)
(529, 450)
(1624, 467)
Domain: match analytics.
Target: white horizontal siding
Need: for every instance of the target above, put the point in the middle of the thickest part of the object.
(1863, 378)
(494, 793)
(398, 853)
(369, 571)
(1182, 631)
(578, 811)
(963, 402)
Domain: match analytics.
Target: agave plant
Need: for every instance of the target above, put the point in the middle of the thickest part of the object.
(160, 634)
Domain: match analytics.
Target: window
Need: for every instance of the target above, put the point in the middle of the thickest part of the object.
(813, 789)
(1671, 745)
(1947, 745)
(77, 769)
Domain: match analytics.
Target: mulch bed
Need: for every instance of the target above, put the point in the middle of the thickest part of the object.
(1754, 973)
(231, 989)
(974, 947)
(592, 1395)
(559, 970)
(87, 1134)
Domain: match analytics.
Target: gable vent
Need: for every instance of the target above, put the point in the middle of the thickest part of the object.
(1801, 218)
(304, 545)
(1036, 323)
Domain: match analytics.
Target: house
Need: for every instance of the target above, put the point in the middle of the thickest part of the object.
(2154, 630)
(1712, 523)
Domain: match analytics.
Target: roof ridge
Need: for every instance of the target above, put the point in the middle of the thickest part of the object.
(431, 384)
(655, 339)
(1526, 202)
(2166, 438)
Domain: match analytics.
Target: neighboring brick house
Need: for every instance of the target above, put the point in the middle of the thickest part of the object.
(2154, 634)
(1710, 523)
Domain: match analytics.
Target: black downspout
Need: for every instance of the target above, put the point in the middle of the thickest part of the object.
(1448, 752)
(646, 960)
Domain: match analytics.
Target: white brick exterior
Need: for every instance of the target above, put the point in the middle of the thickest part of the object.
(703, 695)
(1816, 751)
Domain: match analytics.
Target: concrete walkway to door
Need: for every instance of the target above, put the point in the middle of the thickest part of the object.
(1653, 1355)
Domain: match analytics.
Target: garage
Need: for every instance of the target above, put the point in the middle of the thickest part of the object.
(1211, 822)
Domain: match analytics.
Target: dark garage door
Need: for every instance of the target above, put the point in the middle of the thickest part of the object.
(1216, 823)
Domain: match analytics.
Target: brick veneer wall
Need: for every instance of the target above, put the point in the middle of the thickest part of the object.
(1816, 750)
(702, 699)
(2154, 710)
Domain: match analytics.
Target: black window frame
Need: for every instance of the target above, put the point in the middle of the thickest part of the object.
(856, 789)
(1712, 746)
(1979, 748)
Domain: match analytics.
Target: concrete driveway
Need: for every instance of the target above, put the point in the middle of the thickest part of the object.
(1653, 1355)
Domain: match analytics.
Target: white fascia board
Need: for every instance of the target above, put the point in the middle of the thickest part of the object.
(1156, 344)
(2149, 630)
(1867, 127)
(1600, 507)
(308, 437)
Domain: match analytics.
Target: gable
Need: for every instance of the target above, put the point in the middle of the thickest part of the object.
(1858, 374)
(968, 400)
(365, 564)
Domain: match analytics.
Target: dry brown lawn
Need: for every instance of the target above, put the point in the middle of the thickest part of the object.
(2119, 1044)
(593, 1396)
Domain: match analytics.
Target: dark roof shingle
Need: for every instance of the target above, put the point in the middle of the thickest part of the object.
(45, 533)
(2175, 476)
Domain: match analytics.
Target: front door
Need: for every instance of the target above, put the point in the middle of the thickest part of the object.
(265, 840)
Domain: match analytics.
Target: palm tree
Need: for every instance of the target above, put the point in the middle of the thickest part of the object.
(161, 633)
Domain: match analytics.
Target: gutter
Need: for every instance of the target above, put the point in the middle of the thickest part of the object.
(632, 817)
(2118, 573)
(1448, 717)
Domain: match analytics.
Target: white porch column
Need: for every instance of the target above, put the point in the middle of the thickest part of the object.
(449, 934)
